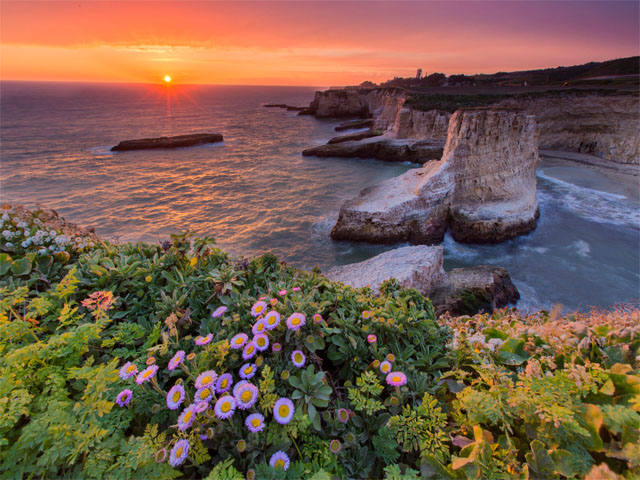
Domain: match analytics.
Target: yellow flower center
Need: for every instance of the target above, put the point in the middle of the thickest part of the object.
(147, 373)
(271, 320)
(279, 463)
(396, 379)
(260, 327)
(295, 321)
(204, 394)
(250, 349)
(248, 370)
(239, 341)
(261, 341)
(207, 380)
(246, 396)
(297, 357)
(179, 452)
(131, 368)
(385, 368)
(259, 308)
(225, 407)
(176, 395)
(255, 422)
(187, 416)
(283, 410)
(224, 383)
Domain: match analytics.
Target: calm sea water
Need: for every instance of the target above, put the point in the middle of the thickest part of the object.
(255, 192)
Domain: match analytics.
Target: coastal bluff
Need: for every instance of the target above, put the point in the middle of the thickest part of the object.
(168, 142)
(483, 188)
(596, 121)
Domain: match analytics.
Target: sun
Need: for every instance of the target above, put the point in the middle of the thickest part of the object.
(167, 78)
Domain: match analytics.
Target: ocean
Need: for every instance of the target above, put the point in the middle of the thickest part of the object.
(255, 192)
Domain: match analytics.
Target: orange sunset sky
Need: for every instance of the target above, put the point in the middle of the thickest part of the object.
(303, 43)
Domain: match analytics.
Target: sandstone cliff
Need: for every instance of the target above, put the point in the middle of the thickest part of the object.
(590, 121)
(484, 187)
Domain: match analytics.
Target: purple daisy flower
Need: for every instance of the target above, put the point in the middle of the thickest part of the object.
(372, 338)
(128, 370)
(279, 460)
(249, 351)
(246, 396)
(238, 341)
(317, 318)
(146, 374)
(175, 397)
(224, 383)
(258, 308)
(255, 422)
(283, 410)
(248, 370)
(237, 386)
(206, 379)
(176, 360)
(200, 340)
(282, 292)
(218, 312)
(261, 341)
(271, 320)
(179, 452)
(186, 418)
(225, 406)
(296, 321)
(259, 327)
(343, 415)
(298, 358)
(124, 397)
(202, 407)
(335, 446)
(276, 347)
(203, 394)
(385, 367)
(396, 379)
(295, 289)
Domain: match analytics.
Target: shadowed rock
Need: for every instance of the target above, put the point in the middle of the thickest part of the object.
(382, 148)
(168, 142)
(366, 123)
(467, 291)
(354, 136)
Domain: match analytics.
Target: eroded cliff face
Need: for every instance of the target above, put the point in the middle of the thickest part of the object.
(495, 155)
(603, 124)
(484, 187)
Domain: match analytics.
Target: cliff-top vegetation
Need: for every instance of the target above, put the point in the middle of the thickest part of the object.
(180, 361)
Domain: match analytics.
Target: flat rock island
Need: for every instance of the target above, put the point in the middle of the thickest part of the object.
(168, 142)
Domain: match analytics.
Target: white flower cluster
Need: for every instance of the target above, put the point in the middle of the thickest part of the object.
(34, 235)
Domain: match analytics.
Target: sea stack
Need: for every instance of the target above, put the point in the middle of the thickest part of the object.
(484, 187)
(495, 155)
(168, 142)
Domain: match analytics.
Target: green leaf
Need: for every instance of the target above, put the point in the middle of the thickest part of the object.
(512, 352)
(295, 382)
(539, 461)
(5, 263)
(21, 266)
(564, 463)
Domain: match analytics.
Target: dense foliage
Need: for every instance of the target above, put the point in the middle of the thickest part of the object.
(144, 361)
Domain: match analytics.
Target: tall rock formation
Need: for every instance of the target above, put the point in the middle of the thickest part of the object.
(484, 187)
(495, 155)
